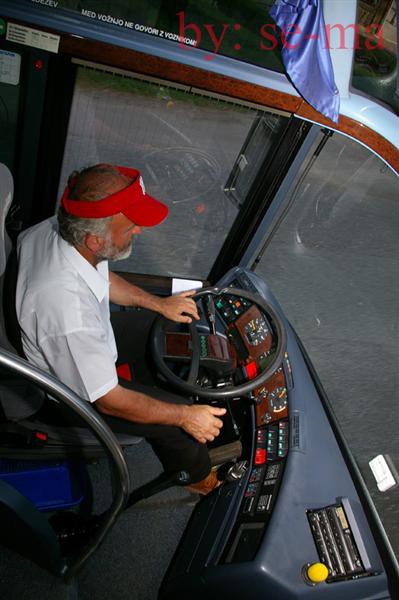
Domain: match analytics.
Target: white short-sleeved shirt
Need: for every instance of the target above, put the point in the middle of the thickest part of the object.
(62, 306)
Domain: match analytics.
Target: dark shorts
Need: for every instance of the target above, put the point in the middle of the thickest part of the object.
(174, 447)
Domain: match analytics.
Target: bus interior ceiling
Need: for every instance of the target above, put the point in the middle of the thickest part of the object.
(329, 255)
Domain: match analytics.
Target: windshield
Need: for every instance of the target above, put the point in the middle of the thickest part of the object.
(332, 263)
(188, 148)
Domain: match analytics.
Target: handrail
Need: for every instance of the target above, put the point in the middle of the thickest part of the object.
(105, 436)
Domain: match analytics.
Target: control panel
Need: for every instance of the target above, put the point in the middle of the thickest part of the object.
(335, 542)
(260, 491)
(252, 336)
(272, 399)
(231, 307)
(293, 524)
(249, 332)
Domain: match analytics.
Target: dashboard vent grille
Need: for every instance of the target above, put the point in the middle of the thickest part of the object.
(295, 432)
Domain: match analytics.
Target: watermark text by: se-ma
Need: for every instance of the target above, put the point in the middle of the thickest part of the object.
(291, 36)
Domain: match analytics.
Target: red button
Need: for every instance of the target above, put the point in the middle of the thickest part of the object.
(260, 456)
(251, 370)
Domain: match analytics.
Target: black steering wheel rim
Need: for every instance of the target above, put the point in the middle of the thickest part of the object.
(243, 389)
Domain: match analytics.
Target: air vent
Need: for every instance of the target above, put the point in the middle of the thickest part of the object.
(296, 432)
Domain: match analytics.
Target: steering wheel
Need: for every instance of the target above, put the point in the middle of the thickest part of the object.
(158, 346)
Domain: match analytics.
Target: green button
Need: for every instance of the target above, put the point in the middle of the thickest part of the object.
(2, 27)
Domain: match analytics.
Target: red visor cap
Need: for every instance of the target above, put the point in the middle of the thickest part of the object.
(132, 201)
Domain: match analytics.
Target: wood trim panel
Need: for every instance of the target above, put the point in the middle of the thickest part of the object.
(264, 411)
(356, 130)
(254, 351)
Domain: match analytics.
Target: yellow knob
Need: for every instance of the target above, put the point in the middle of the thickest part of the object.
(317, 572)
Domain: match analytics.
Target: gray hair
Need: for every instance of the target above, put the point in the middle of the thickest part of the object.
(87, 185)
(74, 229)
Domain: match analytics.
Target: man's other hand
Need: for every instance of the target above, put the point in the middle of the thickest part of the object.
(180, 308)
(202, 422)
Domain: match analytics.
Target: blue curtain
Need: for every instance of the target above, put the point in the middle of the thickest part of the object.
(305, 53)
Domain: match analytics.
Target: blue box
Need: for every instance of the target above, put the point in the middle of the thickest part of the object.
(48, 484)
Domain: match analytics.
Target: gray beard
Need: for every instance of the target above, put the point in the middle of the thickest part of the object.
(111, 252)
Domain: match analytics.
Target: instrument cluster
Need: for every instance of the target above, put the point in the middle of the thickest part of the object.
(272, 399)
(252, 337)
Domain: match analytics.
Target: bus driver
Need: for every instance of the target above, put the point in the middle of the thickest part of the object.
(63, 294)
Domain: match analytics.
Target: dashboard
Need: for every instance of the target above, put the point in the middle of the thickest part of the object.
(252, 338)
(298, 504)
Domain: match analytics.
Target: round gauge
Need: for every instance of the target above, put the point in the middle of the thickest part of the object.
(256, 331)
(278, 399)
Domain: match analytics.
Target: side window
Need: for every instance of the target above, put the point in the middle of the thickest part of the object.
(333, 264)
(186, 146)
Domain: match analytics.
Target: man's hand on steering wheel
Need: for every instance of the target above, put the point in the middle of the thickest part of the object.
(179, 308)
(202, 422)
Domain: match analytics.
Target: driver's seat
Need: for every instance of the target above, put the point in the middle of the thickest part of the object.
(20, 400)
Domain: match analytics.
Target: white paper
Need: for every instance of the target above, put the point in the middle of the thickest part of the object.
(182, 285)
(10, 66)
(382, 473)
(32, 37)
